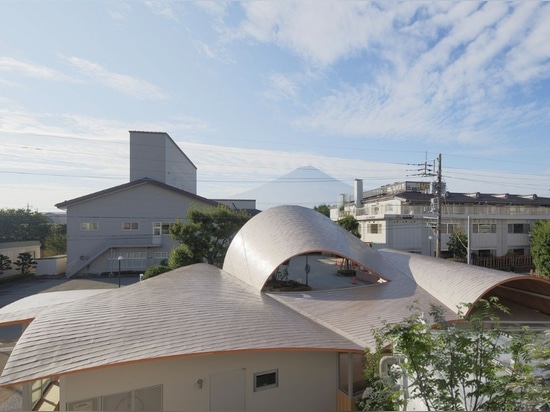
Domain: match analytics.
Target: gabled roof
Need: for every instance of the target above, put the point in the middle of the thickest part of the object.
(126, 186)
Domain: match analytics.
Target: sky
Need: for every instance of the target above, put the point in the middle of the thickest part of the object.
(252, 90)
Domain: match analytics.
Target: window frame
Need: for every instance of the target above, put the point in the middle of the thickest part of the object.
(267, 386)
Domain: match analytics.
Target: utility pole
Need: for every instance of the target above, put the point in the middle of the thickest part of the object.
(439, 196)
(436, 201)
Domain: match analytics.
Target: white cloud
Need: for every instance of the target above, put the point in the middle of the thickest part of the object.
(123, 83)
(8, 64)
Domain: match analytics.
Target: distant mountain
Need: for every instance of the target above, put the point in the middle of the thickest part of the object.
(306, 186)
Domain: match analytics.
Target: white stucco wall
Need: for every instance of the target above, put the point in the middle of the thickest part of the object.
(307, 381)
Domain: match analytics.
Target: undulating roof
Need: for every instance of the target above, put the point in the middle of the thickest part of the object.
(280, 233)
(201, 309)
(194, 310)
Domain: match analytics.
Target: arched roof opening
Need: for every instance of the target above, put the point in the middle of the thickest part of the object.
(285, 232)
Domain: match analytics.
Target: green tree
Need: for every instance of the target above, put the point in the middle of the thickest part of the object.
(458, 244)
(457, 367)
(351, 224)
(208, 232)
(25, 263)
(323, 209)
(180, 256)
(540, 247)
(5, 263)
(23, 224)
(56, 241)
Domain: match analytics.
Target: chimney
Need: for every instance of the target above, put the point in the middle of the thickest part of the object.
(358, 192)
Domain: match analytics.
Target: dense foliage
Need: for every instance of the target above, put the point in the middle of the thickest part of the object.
(22, 224)
(468, 366)
(56, 241)
(458, 244)
(25, 263)
(351, 224)
(208, 233)
(323, 209)
(540, 247)
(153, 271)
(5, 263)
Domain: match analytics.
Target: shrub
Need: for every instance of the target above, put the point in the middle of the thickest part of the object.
(153, 271)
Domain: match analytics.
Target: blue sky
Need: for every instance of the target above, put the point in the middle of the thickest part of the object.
(253, 90)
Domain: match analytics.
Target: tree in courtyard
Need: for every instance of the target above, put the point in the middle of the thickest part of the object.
(458, 244)
(323, 209)
(540, 247)
(351, 224)
(25, 263)
(5, 263)
(208, 232)
(458, 367)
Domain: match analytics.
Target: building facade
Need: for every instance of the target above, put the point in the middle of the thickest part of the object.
(127, 227)
(404, 216)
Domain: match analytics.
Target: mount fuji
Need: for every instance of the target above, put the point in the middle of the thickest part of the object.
(306, 186)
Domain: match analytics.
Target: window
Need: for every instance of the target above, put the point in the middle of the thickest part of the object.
(519, 228)
(145, 399)
(374, 228)
(448, 228)
(266, 380)
(88, 226)
(161, 255)
(130, 225)
(484, 228)
(161, 228)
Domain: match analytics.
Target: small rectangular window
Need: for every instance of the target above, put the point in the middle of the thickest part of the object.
(89, 226)
(266, 380)
(130, 225)
(484, 228)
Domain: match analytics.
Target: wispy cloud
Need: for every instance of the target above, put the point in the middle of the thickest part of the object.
(441, 71)
(126, 84)
(23, 68)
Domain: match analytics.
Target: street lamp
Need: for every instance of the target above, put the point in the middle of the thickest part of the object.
(120, 258)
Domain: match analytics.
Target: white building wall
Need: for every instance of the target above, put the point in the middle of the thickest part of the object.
(307, 381)
(144, 204)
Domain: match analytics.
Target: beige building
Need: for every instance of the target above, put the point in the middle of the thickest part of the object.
(403, 216)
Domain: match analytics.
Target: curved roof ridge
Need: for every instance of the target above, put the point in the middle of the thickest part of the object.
(283, 232)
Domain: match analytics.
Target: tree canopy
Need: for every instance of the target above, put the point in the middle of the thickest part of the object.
(351, 224)
(323, 209)
(465, 366)
(23, 224)
(540, 247)
(208, 233)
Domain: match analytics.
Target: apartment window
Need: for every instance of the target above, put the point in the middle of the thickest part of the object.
(449, 228)
(89, 226)
(161, 255)
(266, 380)
(374, 228)
(484, 228)
(519, 228)
(161, 228)
(516, 252)
(130, 225)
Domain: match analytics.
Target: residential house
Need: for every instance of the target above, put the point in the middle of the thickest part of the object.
(403, 216)
(126, 227)
(201, 338)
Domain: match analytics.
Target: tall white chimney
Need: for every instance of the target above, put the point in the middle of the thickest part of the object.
(358, 192)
